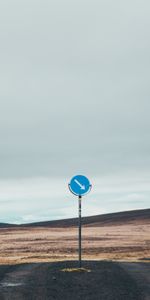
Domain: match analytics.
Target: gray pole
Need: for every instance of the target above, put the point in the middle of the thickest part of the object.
(80, 197)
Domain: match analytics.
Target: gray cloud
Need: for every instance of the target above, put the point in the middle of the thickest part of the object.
(74, 88)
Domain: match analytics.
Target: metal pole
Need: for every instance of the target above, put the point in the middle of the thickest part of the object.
(80, 197)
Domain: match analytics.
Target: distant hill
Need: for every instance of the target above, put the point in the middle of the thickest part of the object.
(113, 219)
(6, 225)
(134, 216)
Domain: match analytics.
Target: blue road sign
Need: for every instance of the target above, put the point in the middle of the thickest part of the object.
(80, 185)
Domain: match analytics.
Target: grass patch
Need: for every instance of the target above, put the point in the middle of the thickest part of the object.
(76, 270)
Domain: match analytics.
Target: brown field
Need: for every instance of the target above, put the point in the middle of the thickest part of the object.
(120, 236)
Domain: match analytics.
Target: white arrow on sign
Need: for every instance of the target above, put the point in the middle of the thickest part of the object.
(80, 185)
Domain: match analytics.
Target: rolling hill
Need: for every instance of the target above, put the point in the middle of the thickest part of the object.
(134, 216)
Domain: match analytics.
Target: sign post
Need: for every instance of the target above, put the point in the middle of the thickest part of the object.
(80, 232)
(80, 186)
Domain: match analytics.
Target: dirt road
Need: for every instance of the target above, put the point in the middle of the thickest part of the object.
(62, 280)
(140, 272)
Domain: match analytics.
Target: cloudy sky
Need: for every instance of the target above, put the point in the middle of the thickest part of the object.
(74, 98)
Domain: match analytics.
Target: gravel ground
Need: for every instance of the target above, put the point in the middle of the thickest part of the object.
(99, 280)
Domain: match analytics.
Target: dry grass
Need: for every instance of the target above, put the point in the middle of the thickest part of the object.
(124, 242)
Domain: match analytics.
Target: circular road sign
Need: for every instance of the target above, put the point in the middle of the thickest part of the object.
(80, 185)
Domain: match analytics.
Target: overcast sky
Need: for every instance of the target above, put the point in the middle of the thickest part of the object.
(74, 98)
